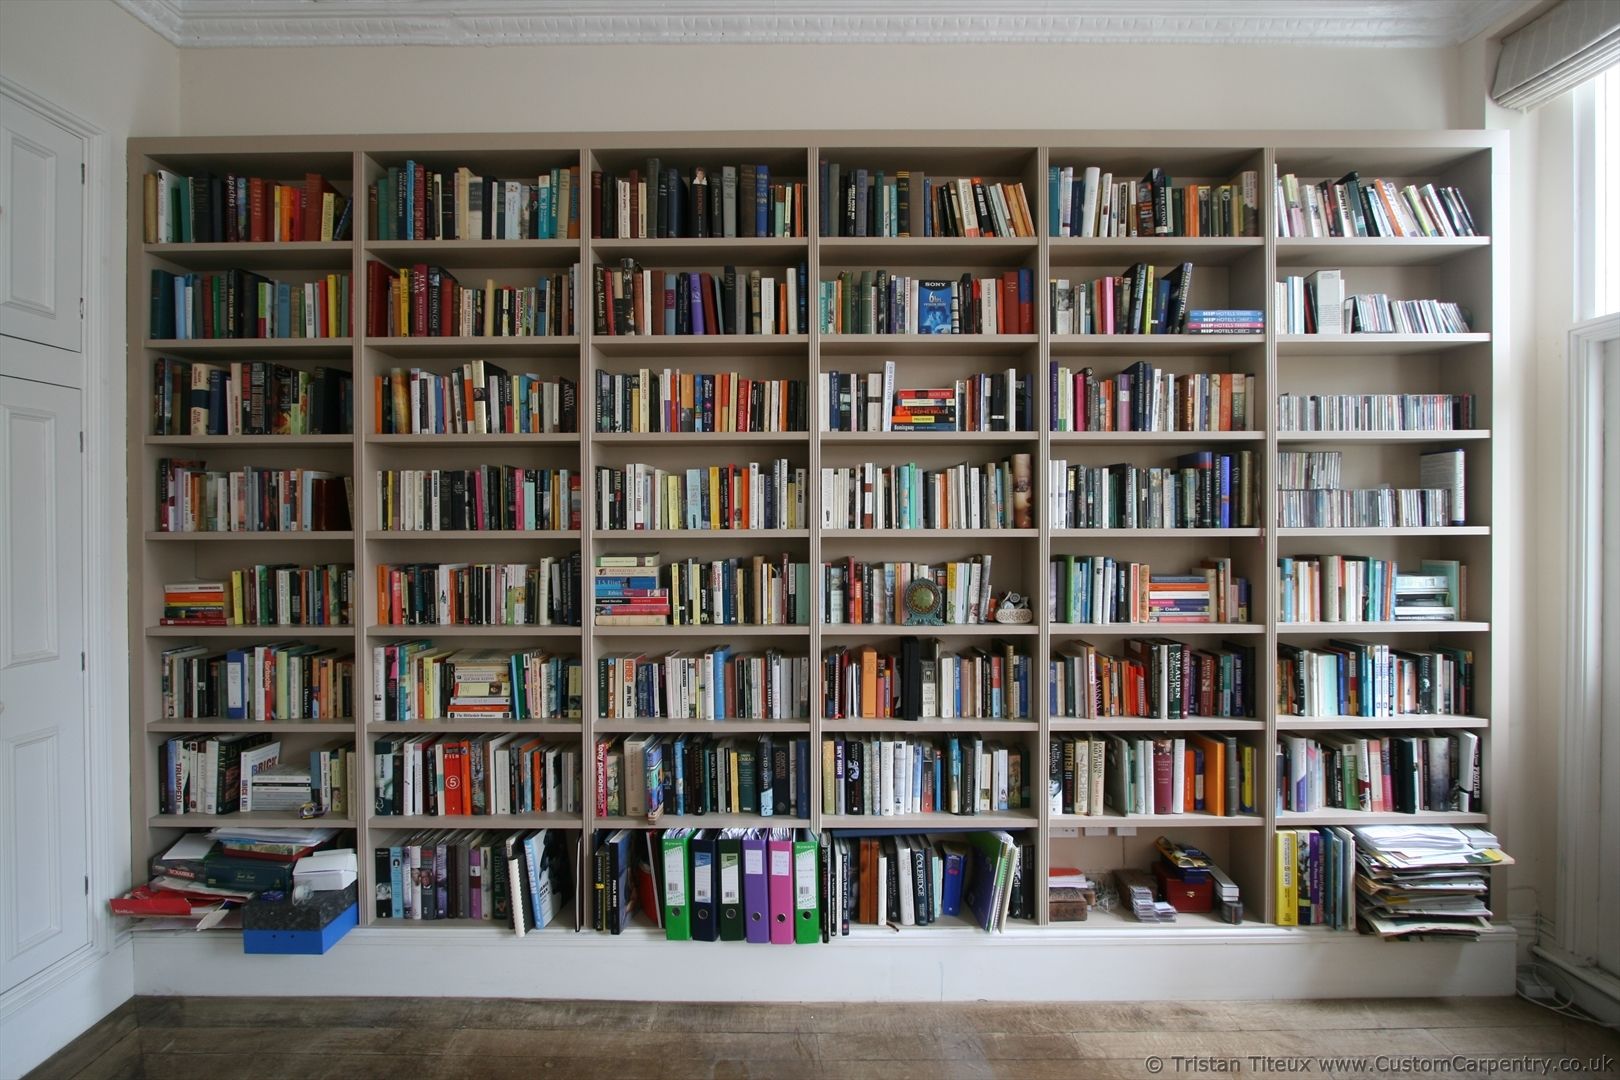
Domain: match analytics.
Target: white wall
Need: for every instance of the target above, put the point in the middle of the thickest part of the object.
(96, 62)
(716, 87)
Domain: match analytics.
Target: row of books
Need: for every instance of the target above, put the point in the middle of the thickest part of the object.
(683, 401)
(251, 398)
(1147, 398)
(193, 498)
(428, 301)
(244, 771)
(279, 680)
(1353, 206)
(241, 304)
(1313, 303)
(1134, 301)
(264, 595)
(889, 302)
(1380, 508)
(870, 401)
(1100, 589)
(912, 880)
(992, 496)
(633, 301)
(1156, 679)
(543, 593)
(659, 201)
(1376, 313)
(414, 202)
(1316, 877)
(1440, 471)
(892, 775)
(1364, 678)
(1404, 774)
(1104, 775)
(1376, 412)
(1358, 588)
(480, 498)
(739, 591)
(762, 886)
(1204, 490)
(228, 209)
(924, 682)
(688, 775)
(416, 680)
(474, 775)
(1086, 200)
(474, 398)
(638, 497)
(714, 684)
(518, 879)
(881, 593)
(907, 202)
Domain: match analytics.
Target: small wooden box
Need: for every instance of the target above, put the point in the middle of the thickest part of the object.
(1070, 904)
(1185, 896)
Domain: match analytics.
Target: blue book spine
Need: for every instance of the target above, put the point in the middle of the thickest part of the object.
(1054, 206)
(762, 201)
(236, 684)
(824, 219)
(543, 225)
(396, 880)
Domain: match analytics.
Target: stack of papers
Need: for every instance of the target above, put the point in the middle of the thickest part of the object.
(1424, 880)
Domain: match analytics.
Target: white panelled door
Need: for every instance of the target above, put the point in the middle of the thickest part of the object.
(44, 841)
(41, 244)
(45, 910)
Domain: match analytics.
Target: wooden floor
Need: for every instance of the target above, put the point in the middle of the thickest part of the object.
(408, 1038)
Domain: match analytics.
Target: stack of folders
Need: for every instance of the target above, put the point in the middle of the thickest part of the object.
(762, 886)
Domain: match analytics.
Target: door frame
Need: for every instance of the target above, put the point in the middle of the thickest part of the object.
(102, 385)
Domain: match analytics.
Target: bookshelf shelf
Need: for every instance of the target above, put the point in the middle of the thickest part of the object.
(1231, 272)
(469, 348)
(301, 347)
(631, 346)
(706, 821)
(176, 727)
(308, 536)
(1145, 345)
(1433, 530)
(844, 631)
(1380, 437)
(1373, 723)
(1128, 438)
(1415, 626)
(431, 442)
(434, 631)
(1290, 819)
(1334, 345)
(265, 632)
(679, 253)
(419, 727)
(1158, 629)
(257, 819)
(274, 255)
(292, 442)
(1105, 725)
(1374, 250)
(1106, 250)
(890, 725)
(1194, 820)
(493, 254)
(718, 728)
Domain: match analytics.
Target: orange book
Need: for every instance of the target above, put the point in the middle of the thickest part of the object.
(1214, 773)
(1190, 780)
(869, 682)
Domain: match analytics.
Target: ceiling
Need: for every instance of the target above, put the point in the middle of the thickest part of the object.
(1370, 23)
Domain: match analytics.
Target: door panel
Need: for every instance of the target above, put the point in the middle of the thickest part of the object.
(44, 842)
(41, 243)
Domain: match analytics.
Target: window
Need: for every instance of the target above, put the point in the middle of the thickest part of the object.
(1597, 148)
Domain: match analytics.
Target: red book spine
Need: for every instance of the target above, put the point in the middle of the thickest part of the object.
(1163, 775)
(256, 221)
(1009, 319)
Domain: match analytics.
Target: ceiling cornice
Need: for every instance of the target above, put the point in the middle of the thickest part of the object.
(1370, 23)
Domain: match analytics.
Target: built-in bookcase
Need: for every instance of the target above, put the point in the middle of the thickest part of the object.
(1231, 272)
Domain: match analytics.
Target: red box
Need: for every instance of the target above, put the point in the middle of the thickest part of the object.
(1185, 896)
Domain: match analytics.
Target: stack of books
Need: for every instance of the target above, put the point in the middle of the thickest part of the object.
(194, 603)
(626, 591)
(1225, 321)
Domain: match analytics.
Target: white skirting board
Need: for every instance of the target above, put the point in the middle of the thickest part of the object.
(40, 1017)
(1123, 965)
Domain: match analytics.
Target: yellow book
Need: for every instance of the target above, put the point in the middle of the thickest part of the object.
(736, 797)
(1287, 878)
(489, 307)
(714, 497)
(402, 305)
(328, 206)
(829, 765)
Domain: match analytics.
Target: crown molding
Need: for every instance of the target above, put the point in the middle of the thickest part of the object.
(1368, 23)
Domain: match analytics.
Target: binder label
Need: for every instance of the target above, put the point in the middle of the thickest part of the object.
(753, 861)
(781, 863)
(674, 877)
(702, 882)
(805, 879)
(730, 883)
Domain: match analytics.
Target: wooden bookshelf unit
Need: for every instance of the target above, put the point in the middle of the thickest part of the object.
(1236, 272)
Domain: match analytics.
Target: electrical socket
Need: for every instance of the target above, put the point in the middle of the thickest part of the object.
(1535, 988)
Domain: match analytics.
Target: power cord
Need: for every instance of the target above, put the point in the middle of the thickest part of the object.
(1535, 984)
